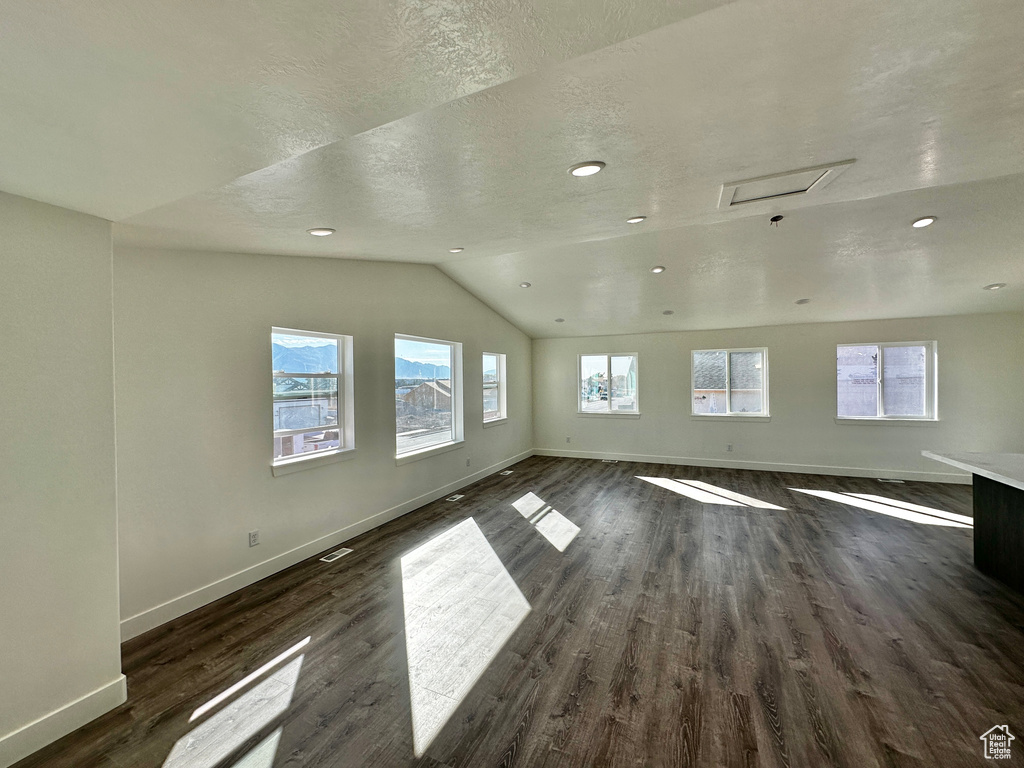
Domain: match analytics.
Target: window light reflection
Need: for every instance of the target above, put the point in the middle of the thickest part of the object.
(247, 679)
(210, 743)
(706, 493)
(549, 522)
(696, 494)
(969, 521)
(557, 529)
(903, 510)
(461, 606)
(263, 754)
(529, 505)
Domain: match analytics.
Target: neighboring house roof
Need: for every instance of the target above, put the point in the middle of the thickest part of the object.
(709, 371)
(442, 386)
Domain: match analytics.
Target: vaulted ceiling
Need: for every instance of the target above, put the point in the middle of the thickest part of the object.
(413, 128)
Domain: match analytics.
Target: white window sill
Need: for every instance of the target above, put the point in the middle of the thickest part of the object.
(874, 421)
(495, 422)
(300, 462)
(610, 414)
(730, 417)
(426, 453)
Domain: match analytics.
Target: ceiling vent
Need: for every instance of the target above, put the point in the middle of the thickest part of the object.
(802, 182)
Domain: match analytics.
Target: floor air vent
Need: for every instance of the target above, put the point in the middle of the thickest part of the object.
(802, 182)
(335, 556)
(884, 480)
(455, 497)
(506, 472)
(609, 461)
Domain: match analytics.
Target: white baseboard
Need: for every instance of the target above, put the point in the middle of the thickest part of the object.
(806, 469)
(21, 743)
(151, 618)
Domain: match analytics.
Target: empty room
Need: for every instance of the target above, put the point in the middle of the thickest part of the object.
(478, 383)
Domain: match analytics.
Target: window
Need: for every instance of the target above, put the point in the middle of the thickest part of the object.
(312, 386)
(730, 382)
(601, 393)
(494, 387)
(428, 397)
(886, 381)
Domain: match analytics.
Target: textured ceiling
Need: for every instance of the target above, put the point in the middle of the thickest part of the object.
(113, 107)
(855, 261)
(412, 128)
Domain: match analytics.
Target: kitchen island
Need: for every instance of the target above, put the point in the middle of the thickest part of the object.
(998, 511)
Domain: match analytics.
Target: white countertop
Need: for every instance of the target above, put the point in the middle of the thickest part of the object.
(1005, 468)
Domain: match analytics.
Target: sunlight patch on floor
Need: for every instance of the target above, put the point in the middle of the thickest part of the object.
(529, 505)
(893, 508)
(461, 607)
(263, 754)
(557, 529)
(241, 684)
(969, 521)
(706, 493)
(210, 743)
(549, 522)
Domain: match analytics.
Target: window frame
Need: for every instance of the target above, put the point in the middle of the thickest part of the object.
(635, 413)
(346, 405)
(764, 413)
(500, 385)
(458, 428)
(931, 382)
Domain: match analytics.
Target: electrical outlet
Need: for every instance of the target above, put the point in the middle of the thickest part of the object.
(568, 439)
(728, 447)
(467, 462)
(254, 538)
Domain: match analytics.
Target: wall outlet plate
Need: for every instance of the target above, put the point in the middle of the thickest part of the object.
(254, 538)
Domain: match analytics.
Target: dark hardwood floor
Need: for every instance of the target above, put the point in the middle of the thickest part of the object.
(670, 632)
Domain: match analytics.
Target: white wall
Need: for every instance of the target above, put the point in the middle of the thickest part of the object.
(980, 369)
(60, 663)
(192, 332)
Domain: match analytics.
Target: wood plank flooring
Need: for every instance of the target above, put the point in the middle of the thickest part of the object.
(670, 632)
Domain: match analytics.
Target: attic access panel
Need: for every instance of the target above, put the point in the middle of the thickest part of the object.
(788, 184)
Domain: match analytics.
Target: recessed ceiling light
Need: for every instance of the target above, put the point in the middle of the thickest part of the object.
(669, 312)
(657, 270)
(926, 221)
(559, 319)
(995, 286)
(456, 250)
(588, 168)
(524, 285)
(802, 301)
(636, 219)
(320, 231)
